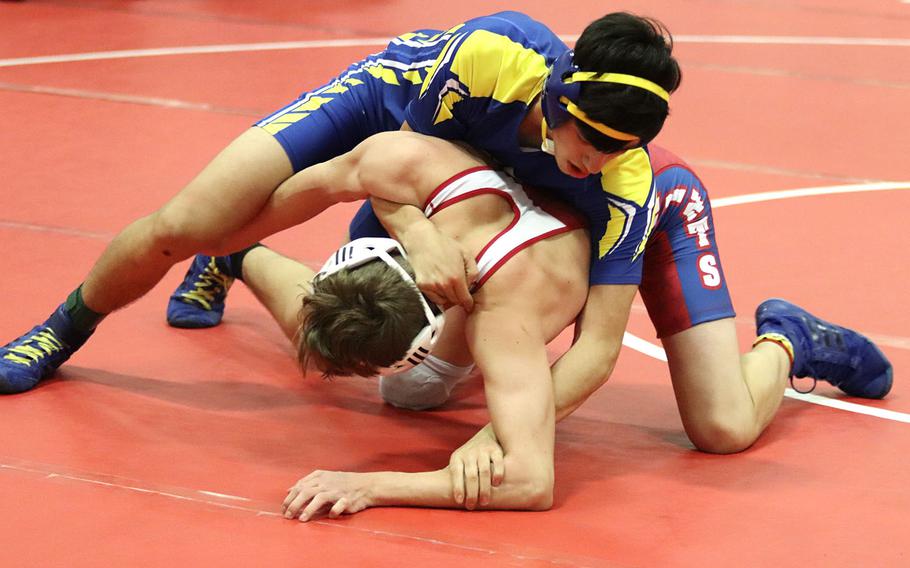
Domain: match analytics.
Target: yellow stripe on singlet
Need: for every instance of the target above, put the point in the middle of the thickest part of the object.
(413, 76)
(386, 74)
(335, 89)
(431, 73)
(411, 35)
(614, 231)
(630, 178)
(652, 222)
(490, 65)
(293, 114)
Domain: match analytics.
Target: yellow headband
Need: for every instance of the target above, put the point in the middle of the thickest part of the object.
(631, 80)
(602, 128)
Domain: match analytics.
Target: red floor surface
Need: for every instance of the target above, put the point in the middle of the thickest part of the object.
(107, 465)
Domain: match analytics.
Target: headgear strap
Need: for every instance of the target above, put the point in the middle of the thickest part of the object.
(364, 250)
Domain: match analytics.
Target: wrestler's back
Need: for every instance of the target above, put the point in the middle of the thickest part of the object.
(555, 268)
(551, 274)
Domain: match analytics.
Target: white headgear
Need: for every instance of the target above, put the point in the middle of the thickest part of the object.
(361, 251)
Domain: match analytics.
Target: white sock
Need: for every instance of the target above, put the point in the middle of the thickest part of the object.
(424, 386)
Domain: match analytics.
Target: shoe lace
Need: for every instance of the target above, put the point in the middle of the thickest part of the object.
(209, 284)
(812, 388)
(35, 347)
(832, 340)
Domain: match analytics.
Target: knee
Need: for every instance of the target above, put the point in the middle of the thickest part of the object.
(175, 232)
(722, 434)
(412, 391)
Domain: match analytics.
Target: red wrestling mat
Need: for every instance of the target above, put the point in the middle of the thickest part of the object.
(160, 447)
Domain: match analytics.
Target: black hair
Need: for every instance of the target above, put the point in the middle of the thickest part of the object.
(625, 43)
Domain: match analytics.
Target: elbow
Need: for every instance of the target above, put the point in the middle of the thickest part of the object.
(599, 374)
(610, 356)
(607, 355)
(533, 494)
(540, 496)
(531, 486)
(602, 374)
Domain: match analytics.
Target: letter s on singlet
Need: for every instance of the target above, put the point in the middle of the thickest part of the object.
(710, 275)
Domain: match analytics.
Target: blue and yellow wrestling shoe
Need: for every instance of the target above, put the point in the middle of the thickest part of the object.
(199, 301)
(37, 354)
(821, 350)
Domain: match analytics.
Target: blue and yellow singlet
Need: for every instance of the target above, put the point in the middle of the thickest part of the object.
(476, 82)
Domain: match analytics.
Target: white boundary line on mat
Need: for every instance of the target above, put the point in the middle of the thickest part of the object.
(382, 41)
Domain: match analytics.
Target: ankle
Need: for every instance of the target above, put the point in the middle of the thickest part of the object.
(236, 260)
(777, 347)
(83, 318)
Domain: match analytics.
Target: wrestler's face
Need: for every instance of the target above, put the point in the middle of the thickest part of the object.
(574, 155)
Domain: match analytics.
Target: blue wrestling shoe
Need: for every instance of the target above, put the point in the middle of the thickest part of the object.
(199, 301)
(37, 354)
(840, 356)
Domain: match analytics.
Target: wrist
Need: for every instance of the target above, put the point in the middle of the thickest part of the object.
(371, 488)
(415, 232)
(378, 488)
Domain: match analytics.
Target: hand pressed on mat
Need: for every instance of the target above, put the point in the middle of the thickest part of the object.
(338, 491)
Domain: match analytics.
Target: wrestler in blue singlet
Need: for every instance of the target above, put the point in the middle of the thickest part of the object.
(475, 83)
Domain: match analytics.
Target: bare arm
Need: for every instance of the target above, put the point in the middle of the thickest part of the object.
(445, 271)
(510, 350)
(589, 362)
(576, 375)
(382, 166)
(598, 340)
(511, 353)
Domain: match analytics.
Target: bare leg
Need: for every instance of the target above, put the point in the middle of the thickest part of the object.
(222, 198)
(279, 283)
(725, 400)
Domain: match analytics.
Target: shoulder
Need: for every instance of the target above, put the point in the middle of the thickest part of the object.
(663, 159)
(629, 177)
(517, 26)
(508, 34)
(407, 150)
(411, 160)
(505, 47)
(670, 170)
